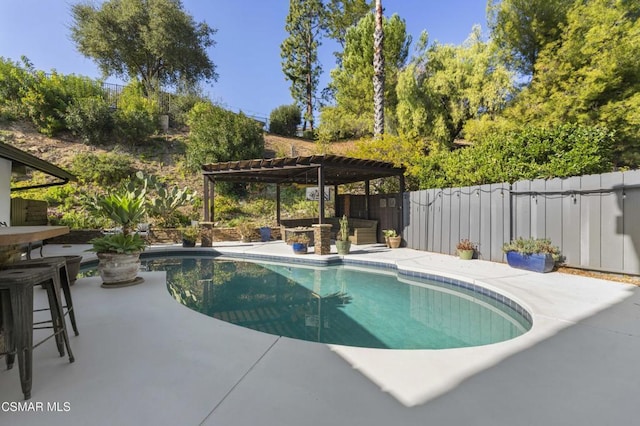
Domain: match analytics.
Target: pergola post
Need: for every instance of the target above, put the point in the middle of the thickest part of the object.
(212, 193)
(367, 201)
(205, 206)
(321, 190)
(278, 205)
(401, 209)
(321, 231)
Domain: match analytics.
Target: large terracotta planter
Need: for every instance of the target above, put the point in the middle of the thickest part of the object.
(119, 270)
(394, 242)
(530, 262)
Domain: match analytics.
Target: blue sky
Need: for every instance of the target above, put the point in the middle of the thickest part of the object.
(247, 50)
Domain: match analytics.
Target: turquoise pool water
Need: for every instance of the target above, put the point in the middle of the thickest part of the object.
(339, 304)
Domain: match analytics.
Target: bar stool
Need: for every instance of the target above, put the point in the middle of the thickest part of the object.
(60, 263)
(16, 299)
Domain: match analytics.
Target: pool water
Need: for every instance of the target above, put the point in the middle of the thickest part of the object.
(339, 305)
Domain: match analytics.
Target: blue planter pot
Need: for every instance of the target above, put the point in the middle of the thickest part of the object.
(265, 234)
(531, 262)
(299, 248)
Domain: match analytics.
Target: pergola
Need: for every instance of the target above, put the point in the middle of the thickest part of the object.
(318, 170)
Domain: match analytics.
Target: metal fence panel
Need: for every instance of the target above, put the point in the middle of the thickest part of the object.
(454, 221)
(630, 221)
(522, 209)
(592, 218)
(424, 220)
(612, 239)
(553, 211)
(571, 206)
(590, 222)
(498, 215)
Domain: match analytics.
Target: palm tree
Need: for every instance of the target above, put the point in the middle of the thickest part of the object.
(378, 73)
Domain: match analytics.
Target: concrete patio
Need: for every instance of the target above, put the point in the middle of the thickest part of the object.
(142, 358)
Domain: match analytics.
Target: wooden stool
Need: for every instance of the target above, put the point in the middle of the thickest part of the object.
(60, 263)
(16, 300)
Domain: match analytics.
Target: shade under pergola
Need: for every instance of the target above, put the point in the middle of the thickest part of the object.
(320, 170)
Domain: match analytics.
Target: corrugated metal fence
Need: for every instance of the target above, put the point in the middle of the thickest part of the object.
(594, 219)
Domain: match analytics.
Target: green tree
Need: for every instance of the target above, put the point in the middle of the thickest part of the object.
(284, 120)
(340, 15)
(445, 86)
(153, 40)
(353, 81)
(523, 27)
(591, 75)
(299, 54)
(217, 135)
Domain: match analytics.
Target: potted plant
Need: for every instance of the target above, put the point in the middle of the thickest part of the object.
(119, 253)
(466, 249)
(392, 238)
(532, 254)
(190, 236)
(299, 243)
(246, 230)
(343, 245)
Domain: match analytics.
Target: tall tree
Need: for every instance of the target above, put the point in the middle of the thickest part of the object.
(523, 27)
(353, 81)
(591, 75)
(153, 40)
(299, 54)
(445, 86)
(340, 15)
(378, 73)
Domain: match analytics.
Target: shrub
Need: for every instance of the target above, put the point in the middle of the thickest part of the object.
(46, 101)
(284, 120)
(14, 81)
(336, 125)
(225, 207)
(136, 116)
(220, 135)
(64, 195)
(529, 153)
(90, 119)
(180, 105)
(80, 220)
(102, 169)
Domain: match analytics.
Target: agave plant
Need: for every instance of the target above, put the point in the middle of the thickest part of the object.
(118, 243)
(126, 209)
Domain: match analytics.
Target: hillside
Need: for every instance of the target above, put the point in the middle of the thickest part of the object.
(161, 156)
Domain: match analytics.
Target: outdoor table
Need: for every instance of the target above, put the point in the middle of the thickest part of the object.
(12, 236)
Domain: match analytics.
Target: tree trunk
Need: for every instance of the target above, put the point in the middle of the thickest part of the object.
(378, 73)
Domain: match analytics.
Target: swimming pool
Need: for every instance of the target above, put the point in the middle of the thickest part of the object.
(344, 304)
